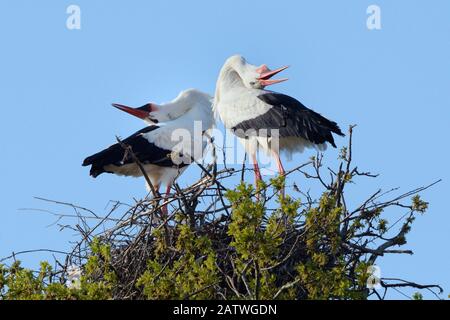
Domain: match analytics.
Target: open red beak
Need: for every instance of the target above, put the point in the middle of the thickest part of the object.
(142, 112)
(266, 74)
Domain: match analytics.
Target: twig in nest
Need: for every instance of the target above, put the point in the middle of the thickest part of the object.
(129, 150)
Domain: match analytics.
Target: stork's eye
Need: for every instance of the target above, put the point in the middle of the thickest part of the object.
(252, 83)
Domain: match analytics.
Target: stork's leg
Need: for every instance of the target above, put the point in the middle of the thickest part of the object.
(166, 197)
(256, 169)
(280, 167)
(149, 189)
(257, 174)
(279, 164)
(157, 187)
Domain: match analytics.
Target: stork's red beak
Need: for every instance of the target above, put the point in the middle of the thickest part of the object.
(266, 74)
(142, 112)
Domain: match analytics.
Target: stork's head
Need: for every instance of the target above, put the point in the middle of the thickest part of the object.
(153, 113)
(256, 77)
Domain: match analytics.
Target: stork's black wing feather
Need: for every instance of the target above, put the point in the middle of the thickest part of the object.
(292, 119)
(146, 152)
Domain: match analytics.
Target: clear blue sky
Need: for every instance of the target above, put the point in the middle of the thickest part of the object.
(56, 87)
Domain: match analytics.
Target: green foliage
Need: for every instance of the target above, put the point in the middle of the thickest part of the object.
(256, 237)
(324, 274)
(418, 204)
(18, 283)
(190, 272)
(417, 296)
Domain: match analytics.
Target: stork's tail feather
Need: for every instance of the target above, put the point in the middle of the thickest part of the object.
(95, 169)
(97, 162)
(337, 130)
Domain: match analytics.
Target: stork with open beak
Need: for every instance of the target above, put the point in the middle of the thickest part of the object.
(166, 147)
(264, 119)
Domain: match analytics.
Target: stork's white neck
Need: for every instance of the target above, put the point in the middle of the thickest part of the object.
(230, 76)
(185, 102)
(190, 106)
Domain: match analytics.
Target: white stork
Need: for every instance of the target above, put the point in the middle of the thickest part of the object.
(166, 146)
(256, 115)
